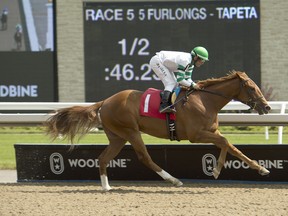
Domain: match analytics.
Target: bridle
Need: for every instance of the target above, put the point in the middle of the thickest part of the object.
(252, 101)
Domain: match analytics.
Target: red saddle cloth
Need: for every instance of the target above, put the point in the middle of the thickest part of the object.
(149, 105)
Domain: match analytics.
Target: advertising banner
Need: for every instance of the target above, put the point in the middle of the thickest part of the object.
(121, 37)
(55, 162)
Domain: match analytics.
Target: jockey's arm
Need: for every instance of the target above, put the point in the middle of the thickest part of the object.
(180, 76)
(184, 76)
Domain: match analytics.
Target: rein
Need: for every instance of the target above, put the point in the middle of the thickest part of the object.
(190, 91)
(252, 102)
(216, 93)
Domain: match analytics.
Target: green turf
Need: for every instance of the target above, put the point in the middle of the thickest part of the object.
(11, 135)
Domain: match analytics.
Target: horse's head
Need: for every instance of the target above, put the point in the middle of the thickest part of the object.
(251, 95)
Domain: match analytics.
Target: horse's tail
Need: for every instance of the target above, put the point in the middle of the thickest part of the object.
(73, 121)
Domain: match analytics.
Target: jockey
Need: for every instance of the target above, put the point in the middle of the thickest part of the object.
(175, 68)
(5, 11)
(4, 18)
(19, 28)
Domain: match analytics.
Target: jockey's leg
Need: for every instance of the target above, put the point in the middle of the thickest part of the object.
(169, 81)
(166, 102)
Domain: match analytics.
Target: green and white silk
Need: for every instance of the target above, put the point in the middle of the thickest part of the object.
(184, 75)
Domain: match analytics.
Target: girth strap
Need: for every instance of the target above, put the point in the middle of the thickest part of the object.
(171, 126)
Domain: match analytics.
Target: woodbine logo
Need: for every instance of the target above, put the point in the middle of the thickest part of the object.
(18, 91)
(209, 161)
(94, 163)
(57, 163)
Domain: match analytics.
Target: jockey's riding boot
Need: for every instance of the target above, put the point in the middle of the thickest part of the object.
(165, 103)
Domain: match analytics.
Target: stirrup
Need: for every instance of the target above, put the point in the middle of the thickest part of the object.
(167, 109)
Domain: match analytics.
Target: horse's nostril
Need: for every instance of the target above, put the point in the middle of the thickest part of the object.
(268, 108)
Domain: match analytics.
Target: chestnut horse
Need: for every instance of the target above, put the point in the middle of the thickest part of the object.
(196, 121)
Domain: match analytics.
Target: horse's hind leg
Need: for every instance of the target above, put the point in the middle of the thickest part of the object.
(136, 141)
(116, 143)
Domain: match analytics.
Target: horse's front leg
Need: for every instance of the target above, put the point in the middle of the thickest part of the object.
(252, 164)
(220, 163)
(224, 145)
(221, 142)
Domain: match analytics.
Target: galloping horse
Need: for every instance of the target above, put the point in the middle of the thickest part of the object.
(196, 121)
(18, 40)
(4, 19)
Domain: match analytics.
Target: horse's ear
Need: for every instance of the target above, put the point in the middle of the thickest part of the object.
(241, 74)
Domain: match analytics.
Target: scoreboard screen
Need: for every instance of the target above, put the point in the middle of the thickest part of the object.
(121, 37)
(28, 58)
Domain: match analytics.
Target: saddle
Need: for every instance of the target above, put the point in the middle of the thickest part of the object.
(149, 106)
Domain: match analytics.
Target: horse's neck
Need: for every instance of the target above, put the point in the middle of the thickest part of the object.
(224, 93)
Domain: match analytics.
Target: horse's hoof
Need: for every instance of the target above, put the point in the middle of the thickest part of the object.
(263, 171)
(216, 173)
(178, 183)
(106, 189)
(175, 182)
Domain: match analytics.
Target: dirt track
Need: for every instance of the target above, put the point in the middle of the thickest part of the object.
(143, 198)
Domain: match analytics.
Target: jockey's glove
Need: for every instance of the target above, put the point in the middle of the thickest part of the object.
(196, 86)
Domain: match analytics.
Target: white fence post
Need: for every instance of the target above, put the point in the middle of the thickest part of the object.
(266, 133)
(280, 129)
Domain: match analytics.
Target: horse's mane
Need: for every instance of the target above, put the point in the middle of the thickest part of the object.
(231, 75)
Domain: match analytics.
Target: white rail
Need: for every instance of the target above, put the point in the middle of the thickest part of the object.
(38, 112)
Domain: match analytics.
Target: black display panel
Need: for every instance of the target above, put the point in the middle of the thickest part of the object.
(27, 51)
(28, 77)
(120, 38)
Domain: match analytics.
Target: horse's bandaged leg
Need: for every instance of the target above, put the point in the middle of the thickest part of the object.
(166, 176)
(104, 183)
